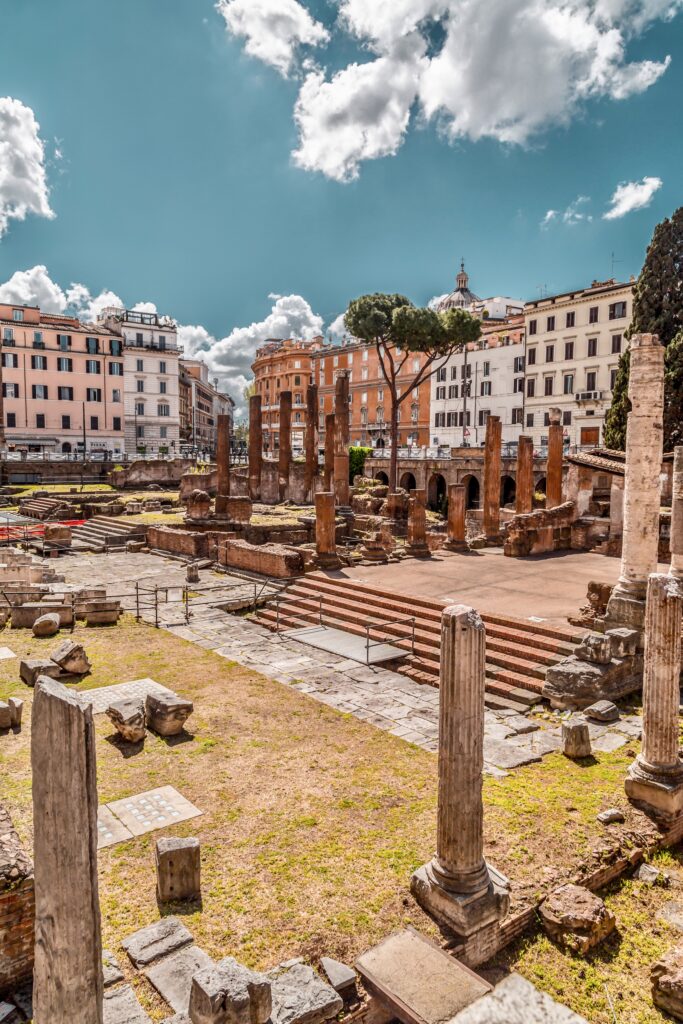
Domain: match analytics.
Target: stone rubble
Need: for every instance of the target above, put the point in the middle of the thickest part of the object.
(576, 918)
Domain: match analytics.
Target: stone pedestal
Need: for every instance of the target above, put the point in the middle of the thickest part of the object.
(222, 457)
(178, 865)
(676, 542)
(457, 540)
(524, 489)
(255, 447)
(284, 459)
(644, 442)
(416, 545)
(325, 531)
(655, 779)
(553, 477)
(457, 887)
(330, 441)
(342, 439)
(492, 462)
(311, 441)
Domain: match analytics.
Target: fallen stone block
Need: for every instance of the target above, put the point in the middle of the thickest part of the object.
(16, 710)
(624, 642)
(31, 668)
(576, 918)
(651, 875)
(5, 715)
(128, 718)
(46, 625)
(178, 864)
(666, 976)
(172, 976)
(576, 741)
(300, 996)
(516, 1001)
(611, 816)
(341, 977)
(121, 1006)
(229, 993)
(102, 612)
(71, 658)
(166, 715)
(156, 940)
(111, 972)
(24, 616)
(595, 648)
(603, 711)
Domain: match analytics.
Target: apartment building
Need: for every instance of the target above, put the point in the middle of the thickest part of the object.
(62, 383)
(485, 379)
(284, 365)
(573, 344)
(151, 384)
(200, 405)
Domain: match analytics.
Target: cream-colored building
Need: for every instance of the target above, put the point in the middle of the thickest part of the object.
(573, 344)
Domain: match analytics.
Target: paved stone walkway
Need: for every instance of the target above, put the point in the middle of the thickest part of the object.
(377, 695)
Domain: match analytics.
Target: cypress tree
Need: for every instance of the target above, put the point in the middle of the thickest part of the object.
(657, 309)
(673, 393)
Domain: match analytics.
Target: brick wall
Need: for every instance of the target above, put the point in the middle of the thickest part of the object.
(178, 542)
(265, 559)
(17, 908)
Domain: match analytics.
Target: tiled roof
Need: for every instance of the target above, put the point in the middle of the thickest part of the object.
(600, 462)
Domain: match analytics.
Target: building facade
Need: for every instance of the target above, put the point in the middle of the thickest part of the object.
(200, 405)
(62, 383)
(285, 365)
(573, 344)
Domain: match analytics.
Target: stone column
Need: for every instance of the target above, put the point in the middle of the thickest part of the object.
(553, 475)
(330, 441)
(325, 531)
(644, 442)
(311, 440)
(342, 439)
(285, 451)
(222, 463)
(67, 977)
(492, 459)
(676, 542)
(524, 487)
(655, 779)
(457, 886)
(417, 525)
(457, 539)
(255, 447)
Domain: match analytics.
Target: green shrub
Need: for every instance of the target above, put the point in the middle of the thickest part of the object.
(357, 457)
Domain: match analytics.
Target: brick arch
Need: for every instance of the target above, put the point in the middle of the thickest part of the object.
(472, 490)
(437, 492)
(508, 489)
(382, 477)
(408, 481)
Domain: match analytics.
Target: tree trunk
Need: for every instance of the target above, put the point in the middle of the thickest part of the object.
(393, 434)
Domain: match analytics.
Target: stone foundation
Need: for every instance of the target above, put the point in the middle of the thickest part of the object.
(17, 908)
(178, 542)
(538, 532)
(266, 559)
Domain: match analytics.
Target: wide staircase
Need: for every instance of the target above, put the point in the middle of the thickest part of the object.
(44, 508)
(103, 533)
(518, 652)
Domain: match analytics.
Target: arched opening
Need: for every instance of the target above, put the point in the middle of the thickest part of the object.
(436, 493)
(471, 492)
(66, 446)
(508, 490)
(380, 442)
(382, 477)
(540, 487)
(408, 482)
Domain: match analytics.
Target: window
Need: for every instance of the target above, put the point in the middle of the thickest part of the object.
(139, 338)
(441, 373)
(451, 419)
(116, 369)
(117, 423)
(519, 364)
(92, 366)
(40, 421)
(94, 423)
(93, 395)
(550, 323)
(569, 350)
(518, 386)
(616, 343)
(139, 386)
(483, 417)
(568, 387)
(364, 373)
(165, 410)
(617, 310)
(452, 390)
(416, 363)
(17, 315)
(548, 385)
(39, 362)
(297, 380)
(549, 353)
(37, 337)
(139, 408)
(64, 342)
(612, 378)
(8, 334)
(10, 360)
(440, 419)
(485, 387)
(546, 423)
(162, 366)
(567, 418)
(533, 326)
(65, 364)
(139, 365)
(531, 356)
(593, 315)
(66, 423)
(529, 419)
(162, 387)
(65, 394)
(592, 347)
(335, 360)
(10, 390)
(92, 346)
(140, 431)
(162, 341)
(163, 433)
(591, 380)
(115, 346)
(11, 419)
(39, 391)
(570, 320)
(365, 355)
(414, 412)
(517, 416)
(486, 369)
(530, 388)
(466, 370)
(440, 394)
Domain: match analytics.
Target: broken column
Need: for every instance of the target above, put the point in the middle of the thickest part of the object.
(416, 542)
(553, 476)
(492, 457)
(457, 887)
(325, 531)
(644, 440)
(457, 540)
(655, 779)
(67, 978)
(342, 439)
(676, 541)
(255, 447)
(285, 451)
(178, 865)
(330, 432)
(524, 486)
(222, 463)
(311, 441)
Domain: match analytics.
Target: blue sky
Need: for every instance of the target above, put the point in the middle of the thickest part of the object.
(168, 161)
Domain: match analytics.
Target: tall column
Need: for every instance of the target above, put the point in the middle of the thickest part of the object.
(457, 886)
(325, 531)
(285, 452)
(417, 525)
(330, 442)
(644, 442)
(311, 440)
(492, 457)
(553, 475)
(222, 463)
(342, 440)
(67, 976)
(255, 447)
(655, 779)
(524, 488)
(457, 539)
(676, 542)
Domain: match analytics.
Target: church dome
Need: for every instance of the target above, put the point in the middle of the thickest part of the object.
(462, 297)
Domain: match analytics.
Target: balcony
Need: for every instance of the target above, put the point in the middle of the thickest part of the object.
(589, 396)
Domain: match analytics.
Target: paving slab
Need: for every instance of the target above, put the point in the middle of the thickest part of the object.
(156, 940)
(121, 1006)
(101, 698)
(516, 1001)
(504, 754)
(157, 808)
(172, 976)
(6, 653)
(110, 829)
(111, 972)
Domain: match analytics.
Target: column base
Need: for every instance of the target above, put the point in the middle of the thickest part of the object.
(626, 608)
(221, 506)
(418, 551)
(328, 561)
(464, 914)
(660, 793)
(455, 545)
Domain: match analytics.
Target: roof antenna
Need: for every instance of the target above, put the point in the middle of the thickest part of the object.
(614, 261)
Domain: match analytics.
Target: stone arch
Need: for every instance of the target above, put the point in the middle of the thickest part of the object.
(540, 485)
(382, 477)
(66, 447)
(508, 490)
(472, 491)
(408, 482)
(437, 493)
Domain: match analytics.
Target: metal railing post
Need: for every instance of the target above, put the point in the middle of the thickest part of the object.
(137, 600)
(413, 643)
(156, 606)
(277, 614)
(320, 610)
(186, 591)
(367, 644)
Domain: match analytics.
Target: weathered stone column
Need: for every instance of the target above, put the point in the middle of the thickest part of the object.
(457, 539)
(644, 441)
(457, 886)
(492, 459)
(222, 463)
(311, 440)
(255, 447)
(285, 451)
(325, 530)
(553, 475)
(330, 442)
(342, 440)
(676, 542)
(67, 976)
(524, 486)
(655, 779)
(417, 525)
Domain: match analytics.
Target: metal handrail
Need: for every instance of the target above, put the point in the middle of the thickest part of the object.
(388, 622)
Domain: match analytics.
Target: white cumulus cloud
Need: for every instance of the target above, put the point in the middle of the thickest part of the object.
(23, 182)
(632, 195)
(273, 30)
(34, 287)
(575, 213)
